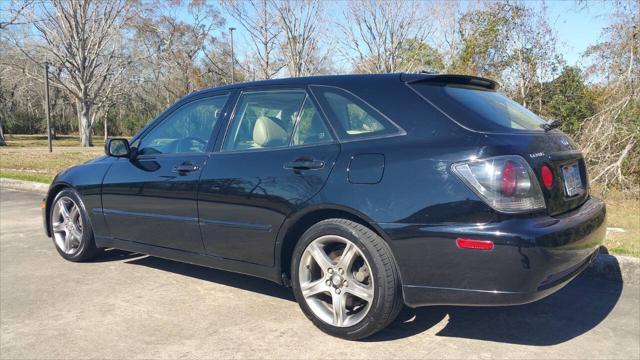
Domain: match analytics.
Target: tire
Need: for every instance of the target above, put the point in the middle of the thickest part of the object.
(81, 245)
(380, 284)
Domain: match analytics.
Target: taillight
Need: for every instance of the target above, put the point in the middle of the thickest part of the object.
(547, 176)
(506, 183)
(509, 179)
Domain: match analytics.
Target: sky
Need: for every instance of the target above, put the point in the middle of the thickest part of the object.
(577, 26)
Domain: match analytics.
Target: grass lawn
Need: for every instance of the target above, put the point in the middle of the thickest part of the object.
(26, 157)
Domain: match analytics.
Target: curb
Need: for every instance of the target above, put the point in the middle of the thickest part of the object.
(22, 185)
(625, 269)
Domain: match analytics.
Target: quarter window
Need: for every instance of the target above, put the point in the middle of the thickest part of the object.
(355, 118)
(188, 129)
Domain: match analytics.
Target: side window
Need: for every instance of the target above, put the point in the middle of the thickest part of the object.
(264, 119)
(355, 118)
(188, 129)
(310, 129)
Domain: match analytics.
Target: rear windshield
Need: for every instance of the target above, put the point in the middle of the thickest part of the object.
(480, 109)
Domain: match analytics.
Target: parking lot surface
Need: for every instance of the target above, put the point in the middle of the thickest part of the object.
(127, 305)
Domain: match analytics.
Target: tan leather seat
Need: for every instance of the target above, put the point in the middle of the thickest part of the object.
(268, 133)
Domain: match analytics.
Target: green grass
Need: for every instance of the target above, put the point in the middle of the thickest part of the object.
(41, 141)
(27, 158)
(45, 179)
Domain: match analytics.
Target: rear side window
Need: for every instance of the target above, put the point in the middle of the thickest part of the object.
(355, 118)
(480, 109)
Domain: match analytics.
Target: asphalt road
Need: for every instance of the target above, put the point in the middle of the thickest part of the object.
(132, 306)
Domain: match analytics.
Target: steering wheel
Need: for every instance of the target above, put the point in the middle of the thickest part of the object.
(186, 144)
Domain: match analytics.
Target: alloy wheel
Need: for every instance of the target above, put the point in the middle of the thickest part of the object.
(66, 223)
(336, 281)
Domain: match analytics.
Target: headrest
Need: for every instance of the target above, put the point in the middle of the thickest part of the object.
(267, 132)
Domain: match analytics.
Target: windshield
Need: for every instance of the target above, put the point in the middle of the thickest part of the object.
(479, 109)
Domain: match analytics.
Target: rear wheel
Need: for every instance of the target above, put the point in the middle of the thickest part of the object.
(70, 227)
(345, 279)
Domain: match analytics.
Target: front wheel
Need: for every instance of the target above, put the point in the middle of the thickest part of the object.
(345, 279)
(70, 227)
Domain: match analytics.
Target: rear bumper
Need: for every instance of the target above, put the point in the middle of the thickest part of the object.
(531, 258)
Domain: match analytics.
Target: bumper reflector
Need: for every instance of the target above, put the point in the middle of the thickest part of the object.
(474, 244)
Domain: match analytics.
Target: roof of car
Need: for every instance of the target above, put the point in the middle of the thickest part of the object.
(336, 79)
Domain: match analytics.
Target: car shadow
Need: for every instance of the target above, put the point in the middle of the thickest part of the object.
(115, 255)
(240, 281)
(571, 312)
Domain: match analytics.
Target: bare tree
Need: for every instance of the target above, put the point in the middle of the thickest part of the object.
(83, 39)
(13, 14)
(300, 22)
(258, 19)
(376, 32)
(610, 138)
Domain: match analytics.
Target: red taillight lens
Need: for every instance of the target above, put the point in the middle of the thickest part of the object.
(474, 244)
(547, 176)
(509, 180)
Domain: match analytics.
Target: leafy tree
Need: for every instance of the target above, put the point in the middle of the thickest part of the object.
(568, 100)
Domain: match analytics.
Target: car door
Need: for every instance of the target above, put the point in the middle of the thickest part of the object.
(277, 153)
(152, 198)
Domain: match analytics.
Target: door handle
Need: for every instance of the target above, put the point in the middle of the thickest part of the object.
(304, 164)
(185, 167)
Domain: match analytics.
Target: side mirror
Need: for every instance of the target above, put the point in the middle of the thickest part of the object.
(117, 147)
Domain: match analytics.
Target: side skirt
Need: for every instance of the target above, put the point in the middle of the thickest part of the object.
(268, 273)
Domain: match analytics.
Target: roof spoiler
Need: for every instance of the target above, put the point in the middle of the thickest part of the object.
(449, 79)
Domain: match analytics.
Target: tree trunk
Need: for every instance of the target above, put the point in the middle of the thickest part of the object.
(84, 116)
(2, 142)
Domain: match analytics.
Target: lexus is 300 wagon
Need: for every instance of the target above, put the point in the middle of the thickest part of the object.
(363, 193)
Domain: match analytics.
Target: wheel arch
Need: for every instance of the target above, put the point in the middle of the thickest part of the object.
(296, 225)
(51, 195)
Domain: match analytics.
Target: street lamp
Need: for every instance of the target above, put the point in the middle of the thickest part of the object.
(233, 70)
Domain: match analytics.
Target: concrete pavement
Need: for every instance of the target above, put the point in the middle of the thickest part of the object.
(132, 306)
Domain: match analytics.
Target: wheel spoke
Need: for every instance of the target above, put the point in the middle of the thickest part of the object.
(67, 241)
(73, 213)
(339, 309)
(63, 209)
(348, 255)
(312, 288)
(359, 290)
(58, 227)
(321, 257)
(77, 235)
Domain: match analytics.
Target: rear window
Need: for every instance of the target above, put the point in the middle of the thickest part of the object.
(480, 109)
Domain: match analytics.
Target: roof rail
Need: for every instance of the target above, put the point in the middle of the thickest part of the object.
(449, 79)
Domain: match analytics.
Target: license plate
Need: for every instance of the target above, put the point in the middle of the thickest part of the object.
(572, 179)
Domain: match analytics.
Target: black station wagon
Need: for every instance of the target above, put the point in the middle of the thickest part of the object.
(363, 193)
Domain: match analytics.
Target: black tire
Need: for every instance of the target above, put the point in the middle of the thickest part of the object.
(87, 249)
(387, 298)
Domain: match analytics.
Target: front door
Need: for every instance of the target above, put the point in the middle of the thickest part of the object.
(277, 153)
(152, 198)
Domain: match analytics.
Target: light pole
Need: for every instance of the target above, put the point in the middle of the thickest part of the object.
(46, 103)
(233, 70)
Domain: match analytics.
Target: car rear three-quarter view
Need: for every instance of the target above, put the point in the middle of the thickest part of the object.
(363, 193)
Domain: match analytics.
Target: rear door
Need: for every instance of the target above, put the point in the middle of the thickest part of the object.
(277, 153)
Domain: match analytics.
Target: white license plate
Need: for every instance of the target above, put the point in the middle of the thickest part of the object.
(572, 179)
